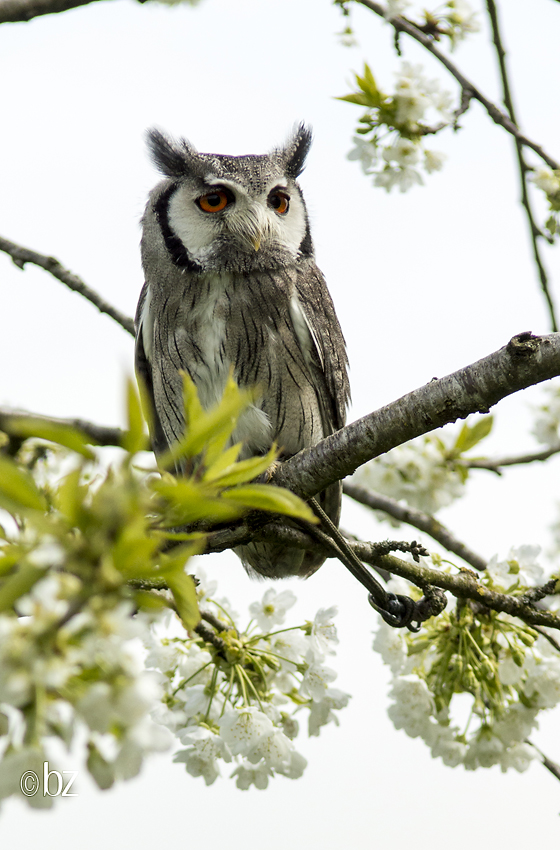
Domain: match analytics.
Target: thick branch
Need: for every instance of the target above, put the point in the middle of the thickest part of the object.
(12, 11)
(415, 518)
(495, 113)
(534, 232)
(526, 360)
(21, 256)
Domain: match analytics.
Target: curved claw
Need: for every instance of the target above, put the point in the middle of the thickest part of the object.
(399, 611)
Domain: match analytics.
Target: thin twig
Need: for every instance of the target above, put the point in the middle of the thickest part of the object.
(21, 256)
(218, 624)
(403, 25)
(100, 435)
(495, 464)
(534, 231)
(548, 637)
(209, 636)
(12, 11)
(415, 518)
(550, 765)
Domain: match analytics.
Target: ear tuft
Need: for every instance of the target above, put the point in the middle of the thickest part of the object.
(170, 156)
(296, 149)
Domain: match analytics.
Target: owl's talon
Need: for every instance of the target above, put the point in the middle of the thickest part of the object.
(272, 470)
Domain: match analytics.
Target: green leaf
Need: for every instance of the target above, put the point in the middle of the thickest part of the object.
(135, 438)
(18, 584)
(188, 501)
(470, 436)
(266, 497)
(182, 585)
(208, 429)
(359, 98)
(55, 432)
(70, 496)
(134, 549)
(18, 489)
(244, 470)
(227, 459)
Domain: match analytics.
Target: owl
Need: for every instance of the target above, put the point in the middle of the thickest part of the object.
(231, 283)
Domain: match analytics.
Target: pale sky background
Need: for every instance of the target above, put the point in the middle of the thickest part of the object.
(424, 283)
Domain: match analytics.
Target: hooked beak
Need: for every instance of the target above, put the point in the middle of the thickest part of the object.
(256, 240)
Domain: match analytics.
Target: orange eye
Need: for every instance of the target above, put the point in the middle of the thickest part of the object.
(279, 202)
(214, 201)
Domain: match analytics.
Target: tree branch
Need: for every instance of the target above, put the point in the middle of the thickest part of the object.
(415, 518)
(12, 11)
(403, 25)
(495, 464)
(526, 360)
(21, 256)
(465, 584)
(534, 231)
(100, 435)
(550, 765)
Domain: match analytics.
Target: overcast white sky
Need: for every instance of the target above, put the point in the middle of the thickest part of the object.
(423, 284)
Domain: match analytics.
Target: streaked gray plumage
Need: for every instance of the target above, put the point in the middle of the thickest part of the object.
(231, 280)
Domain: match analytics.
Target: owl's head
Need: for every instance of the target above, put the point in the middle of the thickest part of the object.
(216, 212)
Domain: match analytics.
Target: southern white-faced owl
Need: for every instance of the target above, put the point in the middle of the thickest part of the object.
(231, 281)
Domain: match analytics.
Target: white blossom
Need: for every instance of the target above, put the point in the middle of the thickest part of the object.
(316, 680)
(364, 152)
(271, 610)
(463, 20)
(243, 729)
(247, 774)
(518, 757)
(394, 8)
(548, 181)
(547, 424)
(416, 472)
(391, 645)
(516, 725)
(323, 633)
(413, 705)
(201, 756)
(445, 745)
(433, 161)
(519, 566)
(322, 711)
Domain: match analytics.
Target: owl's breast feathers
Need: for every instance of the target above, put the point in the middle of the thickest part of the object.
(277, 329)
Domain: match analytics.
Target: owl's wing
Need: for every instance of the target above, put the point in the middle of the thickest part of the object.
(143, 366)
(328, 351)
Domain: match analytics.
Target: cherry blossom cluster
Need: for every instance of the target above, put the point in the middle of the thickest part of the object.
(390, 141)
(455, 19)
(472, 684)
(426, 473)
(235, 702)
(68, 674)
